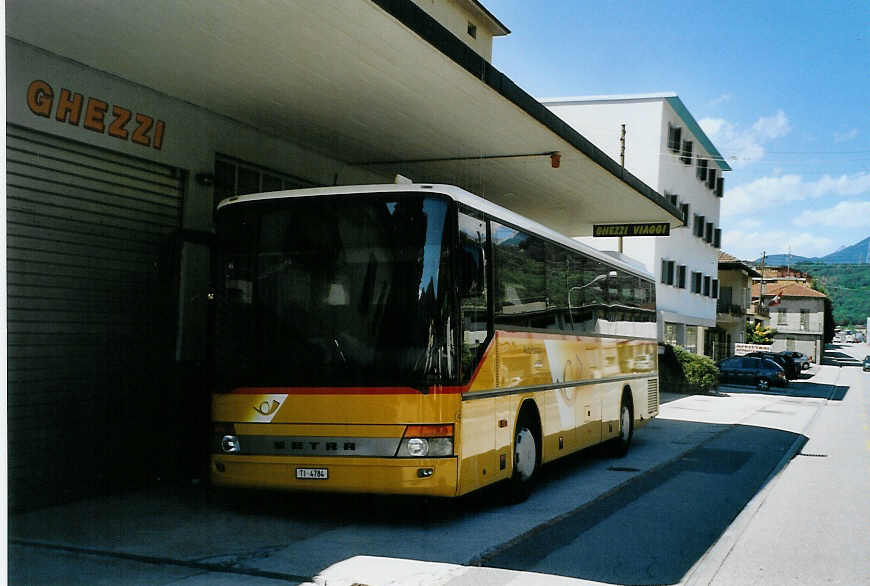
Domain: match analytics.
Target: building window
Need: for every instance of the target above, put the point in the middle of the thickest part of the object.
(789, 344)
(706, 286)
(701, 170)
(714, 292)
(681, 276)
(674, 135)
(235, 177)
(670, 333)
(699, 226)
(668, 272)
(696, 282)
(686, 155)
(711, 178)
(805, 320)
(708, 232)
(472, 30)
(692, 339)
(717, 237)
(720, 186)
(781, 318)
(684, 207)
(673, 198)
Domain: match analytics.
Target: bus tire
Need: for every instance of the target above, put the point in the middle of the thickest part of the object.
(526, 451)
(620, 444)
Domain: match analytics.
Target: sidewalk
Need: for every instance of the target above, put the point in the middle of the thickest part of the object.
(198, 536)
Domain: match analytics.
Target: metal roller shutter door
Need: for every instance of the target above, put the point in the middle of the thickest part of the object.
(85, 227)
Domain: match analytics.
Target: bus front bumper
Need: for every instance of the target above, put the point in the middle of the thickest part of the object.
(417, 476)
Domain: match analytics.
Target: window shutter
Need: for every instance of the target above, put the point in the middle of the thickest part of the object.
(686, 156)
(711, 178)
(720, 185)
(701, 171)
(717, 237)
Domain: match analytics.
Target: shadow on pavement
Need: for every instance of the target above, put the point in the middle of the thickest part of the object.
(643, 519)
(654, 530)
(834, 358)
(804, 390)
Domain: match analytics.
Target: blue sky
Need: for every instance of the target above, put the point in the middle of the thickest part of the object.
(781, 88)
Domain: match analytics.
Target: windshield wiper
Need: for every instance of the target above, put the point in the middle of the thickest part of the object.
(338, 349)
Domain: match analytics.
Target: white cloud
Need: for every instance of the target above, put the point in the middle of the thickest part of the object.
(846, 214)
(768, 193)
(720, 100)
(750, 245)
(846, 136)
(743, 146)
(749, 224)
(772, 126)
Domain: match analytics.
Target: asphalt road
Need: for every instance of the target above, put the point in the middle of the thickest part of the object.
(811, 524)
(683, 505)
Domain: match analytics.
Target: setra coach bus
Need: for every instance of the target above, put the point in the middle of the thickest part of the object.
(417, 339)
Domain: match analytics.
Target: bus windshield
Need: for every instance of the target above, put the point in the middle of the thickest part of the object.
(333, 291)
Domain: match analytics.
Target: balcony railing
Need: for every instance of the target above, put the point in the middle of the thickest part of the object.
(730, 308)
(760, 309)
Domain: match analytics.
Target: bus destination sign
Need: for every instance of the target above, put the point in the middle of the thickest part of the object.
(646, 229)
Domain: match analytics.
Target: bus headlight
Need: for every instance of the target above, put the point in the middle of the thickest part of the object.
(421, 441)
(230, 444)
(418, 447)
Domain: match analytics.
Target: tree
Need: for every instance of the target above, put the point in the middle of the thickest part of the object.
(755, 334)
(699, 371)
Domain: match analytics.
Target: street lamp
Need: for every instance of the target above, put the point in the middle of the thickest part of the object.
(597, 279)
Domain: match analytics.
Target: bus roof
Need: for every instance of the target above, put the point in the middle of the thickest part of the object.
(458, 194)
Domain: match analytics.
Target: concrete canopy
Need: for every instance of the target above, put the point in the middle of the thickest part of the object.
(375, 83)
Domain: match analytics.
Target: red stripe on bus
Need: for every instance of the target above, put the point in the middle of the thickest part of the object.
(436, 390)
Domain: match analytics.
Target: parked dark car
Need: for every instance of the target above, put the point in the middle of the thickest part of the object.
(802, 359)
(865, 366)
(752, 370)
(792, 368)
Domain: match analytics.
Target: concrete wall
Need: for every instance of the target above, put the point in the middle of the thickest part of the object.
(790, 311)
(455, 17)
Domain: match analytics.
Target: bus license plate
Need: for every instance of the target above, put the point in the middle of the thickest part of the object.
(312, 473)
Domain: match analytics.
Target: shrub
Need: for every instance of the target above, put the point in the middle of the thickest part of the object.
(699, 371)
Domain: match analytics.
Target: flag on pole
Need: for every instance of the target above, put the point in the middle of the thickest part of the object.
(775, 301)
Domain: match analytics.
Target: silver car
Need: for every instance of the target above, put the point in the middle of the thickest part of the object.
(800, 358)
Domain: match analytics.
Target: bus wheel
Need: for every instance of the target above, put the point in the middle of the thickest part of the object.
(621, 443)
(526, 461)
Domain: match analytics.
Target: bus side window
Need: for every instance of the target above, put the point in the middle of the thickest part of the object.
(471, 284)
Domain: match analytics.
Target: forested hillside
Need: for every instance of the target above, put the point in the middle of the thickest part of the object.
(848, 286)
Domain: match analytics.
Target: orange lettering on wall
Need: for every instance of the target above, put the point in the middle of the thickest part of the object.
(40, 100)
(39, 97)
(122, 117)
(95, 115)
(158, 134)
(69, 105)
(140, 135)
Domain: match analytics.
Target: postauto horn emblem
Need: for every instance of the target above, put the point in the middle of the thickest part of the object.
(266, 408)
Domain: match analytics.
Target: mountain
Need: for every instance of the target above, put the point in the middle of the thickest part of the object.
(781, 260)
(858, 253)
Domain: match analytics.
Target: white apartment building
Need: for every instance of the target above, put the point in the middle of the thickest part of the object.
(666, 149)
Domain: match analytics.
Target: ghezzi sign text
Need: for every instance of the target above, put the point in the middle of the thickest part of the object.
(647, 229)
(95, 114)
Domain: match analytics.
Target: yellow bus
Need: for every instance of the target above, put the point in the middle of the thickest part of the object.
(417, 339)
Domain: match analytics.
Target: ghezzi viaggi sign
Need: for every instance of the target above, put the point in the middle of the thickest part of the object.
(645, 229)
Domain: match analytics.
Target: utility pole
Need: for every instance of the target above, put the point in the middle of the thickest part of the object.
(622, 164)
